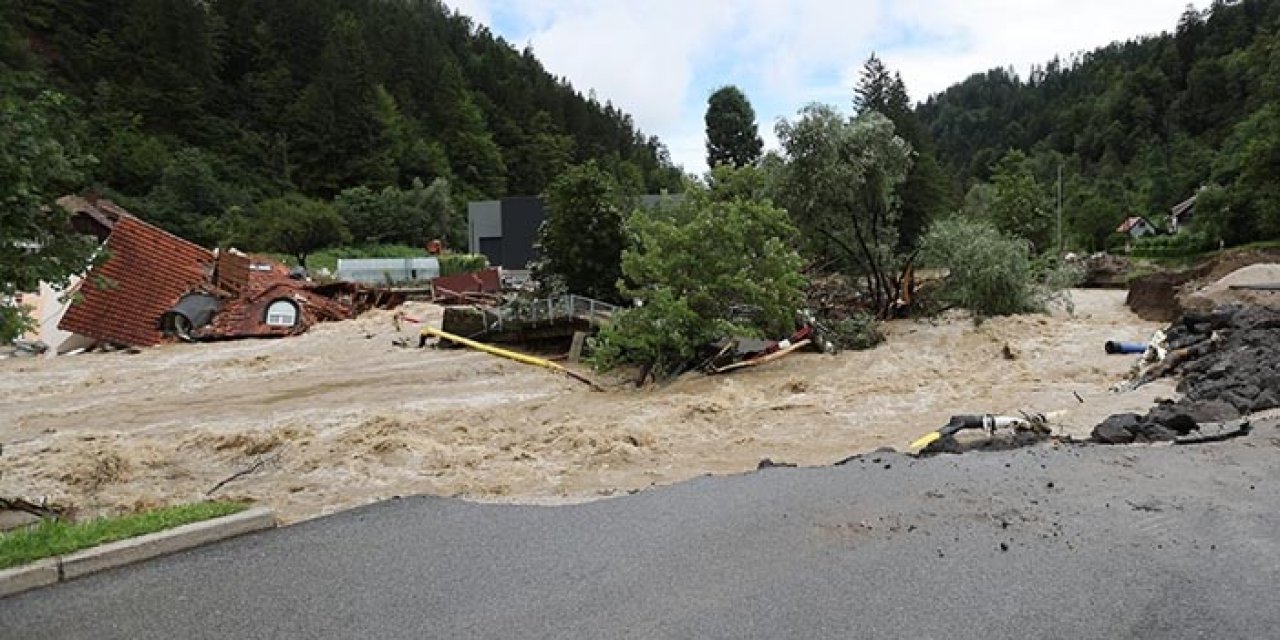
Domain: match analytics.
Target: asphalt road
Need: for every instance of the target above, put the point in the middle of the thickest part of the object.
(1077, 542)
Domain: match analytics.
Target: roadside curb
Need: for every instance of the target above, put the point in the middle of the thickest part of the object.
(41, 573)
(125, 552)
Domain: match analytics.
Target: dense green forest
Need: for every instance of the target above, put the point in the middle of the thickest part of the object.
(1136, 127)
(199, 111)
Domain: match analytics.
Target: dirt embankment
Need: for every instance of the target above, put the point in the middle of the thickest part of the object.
(344, 417)
(1164, 296)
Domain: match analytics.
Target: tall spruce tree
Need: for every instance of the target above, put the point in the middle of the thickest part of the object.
(925, 193)
(732, 137)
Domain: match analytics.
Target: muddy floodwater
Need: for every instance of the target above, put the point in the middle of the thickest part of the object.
(342, 416)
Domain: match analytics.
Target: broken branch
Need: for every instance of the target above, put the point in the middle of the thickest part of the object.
(261, 462)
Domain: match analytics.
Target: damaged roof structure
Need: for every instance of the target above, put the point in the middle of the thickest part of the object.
(155, 286)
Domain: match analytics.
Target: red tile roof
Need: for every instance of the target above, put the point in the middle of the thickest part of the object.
(1130, 223)
(147, 270)
(245, 315)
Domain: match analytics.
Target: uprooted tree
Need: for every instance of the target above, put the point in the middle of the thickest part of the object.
(839, 184)
(714, 264)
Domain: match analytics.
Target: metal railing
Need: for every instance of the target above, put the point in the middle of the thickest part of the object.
(551, 311)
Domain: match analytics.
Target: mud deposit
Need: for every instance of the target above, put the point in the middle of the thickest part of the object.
(344, 417)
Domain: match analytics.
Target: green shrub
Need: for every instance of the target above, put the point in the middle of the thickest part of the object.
(455, 263)
(664, 333)
(991, 273)
(1177, 246)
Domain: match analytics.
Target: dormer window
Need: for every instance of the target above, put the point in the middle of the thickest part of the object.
(282, 313)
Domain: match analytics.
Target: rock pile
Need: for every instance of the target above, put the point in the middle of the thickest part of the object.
(1229, 362)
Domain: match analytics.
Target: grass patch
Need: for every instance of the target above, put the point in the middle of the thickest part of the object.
(450, 263)
(54, 538)
(328, 258)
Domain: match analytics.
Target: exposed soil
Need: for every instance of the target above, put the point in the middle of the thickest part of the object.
(345, 417)
(1164, 296)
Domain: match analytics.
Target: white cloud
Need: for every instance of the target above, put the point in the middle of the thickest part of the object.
(659, 59)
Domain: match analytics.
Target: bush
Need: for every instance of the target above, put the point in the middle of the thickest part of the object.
(455, 263)
(991, 273)
(1178, 246)
(664, 334)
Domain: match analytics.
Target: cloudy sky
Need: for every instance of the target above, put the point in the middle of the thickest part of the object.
(659, 60)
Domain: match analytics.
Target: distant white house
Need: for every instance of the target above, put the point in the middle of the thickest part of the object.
(1136, 227)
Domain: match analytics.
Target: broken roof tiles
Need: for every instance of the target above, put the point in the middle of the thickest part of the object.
(146, 271)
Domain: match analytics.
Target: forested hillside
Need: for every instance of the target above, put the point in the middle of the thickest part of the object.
(198, 111)
(1137, 127)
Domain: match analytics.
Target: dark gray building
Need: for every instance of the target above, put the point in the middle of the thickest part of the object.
(506, 230)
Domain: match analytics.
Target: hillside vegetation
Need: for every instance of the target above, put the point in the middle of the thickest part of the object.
(1136, 126)
(198, 111)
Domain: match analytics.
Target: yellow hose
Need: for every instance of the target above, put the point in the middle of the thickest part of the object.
(926, 440)
(510, 355)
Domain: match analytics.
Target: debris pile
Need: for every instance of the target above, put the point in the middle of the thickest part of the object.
(1103, 270)
(833, 297)
(1227, 363)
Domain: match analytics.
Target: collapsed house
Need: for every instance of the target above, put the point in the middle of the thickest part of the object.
(156, 287)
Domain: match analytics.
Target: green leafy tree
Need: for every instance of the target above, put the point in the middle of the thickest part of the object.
(543, 154)
(1248, 208)
(190, 197)
(582, 238)
(411, 216)
(428, 214)
(40, 160)
(926, 192)
(708, 266)
(1020, 204)
(732, 137)
(413, 154)
(839, 185)
(881, 91)
(298, 226)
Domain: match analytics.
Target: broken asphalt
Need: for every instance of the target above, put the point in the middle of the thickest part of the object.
(1078, 541)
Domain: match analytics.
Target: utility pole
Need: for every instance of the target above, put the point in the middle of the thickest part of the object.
(1060, 209)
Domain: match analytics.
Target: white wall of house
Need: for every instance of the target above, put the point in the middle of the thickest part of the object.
(1143, 228)
(48, 308)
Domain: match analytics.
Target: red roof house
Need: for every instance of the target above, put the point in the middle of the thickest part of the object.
(155, 285)
(146, 271)
(273, 304)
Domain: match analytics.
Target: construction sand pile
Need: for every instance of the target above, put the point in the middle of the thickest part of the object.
(1221, 292)
(343, 415)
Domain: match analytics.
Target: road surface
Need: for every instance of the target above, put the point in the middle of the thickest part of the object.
(1073, 542)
